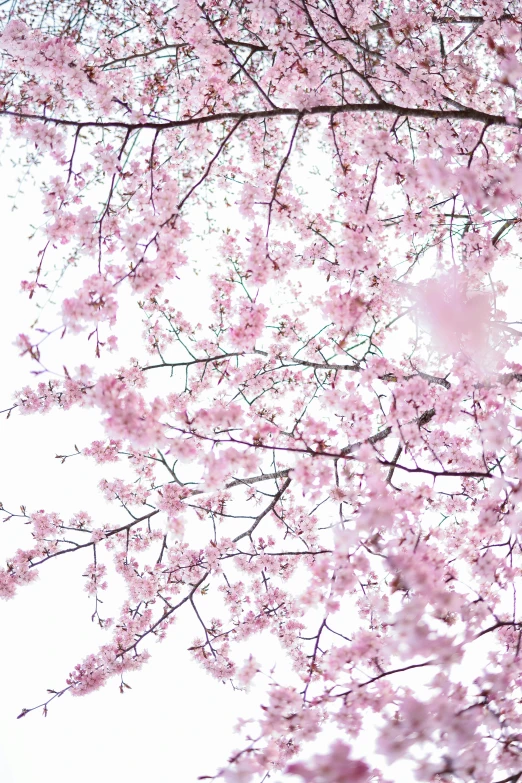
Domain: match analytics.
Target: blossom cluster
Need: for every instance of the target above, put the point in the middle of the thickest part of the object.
(309, 209)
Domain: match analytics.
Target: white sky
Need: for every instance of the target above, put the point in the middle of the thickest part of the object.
(176, 723)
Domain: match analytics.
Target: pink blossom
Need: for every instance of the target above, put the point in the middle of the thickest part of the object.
(252, 318)
(333, 767)
(457, 319)
(280, 246)
(93, 303)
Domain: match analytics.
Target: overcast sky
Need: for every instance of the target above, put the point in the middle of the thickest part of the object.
(176, 722)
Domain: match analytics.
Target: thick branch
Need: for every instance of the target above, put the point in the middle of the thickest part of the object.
(327, 110)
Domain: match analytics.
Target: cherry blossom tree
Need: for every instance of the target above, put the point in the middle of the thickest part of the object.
(328, 448)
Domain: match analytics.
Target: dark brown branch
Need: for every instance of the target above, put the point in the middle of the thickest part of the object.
(237, 61)
(328, 110)
(135, 56)
(397, 671)
(275, 500)
(394, 463)
(204, 360)
(435, 473)
(167, 614)
(256, 479)
(210, 164)
(280, 171)
(511, 779)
